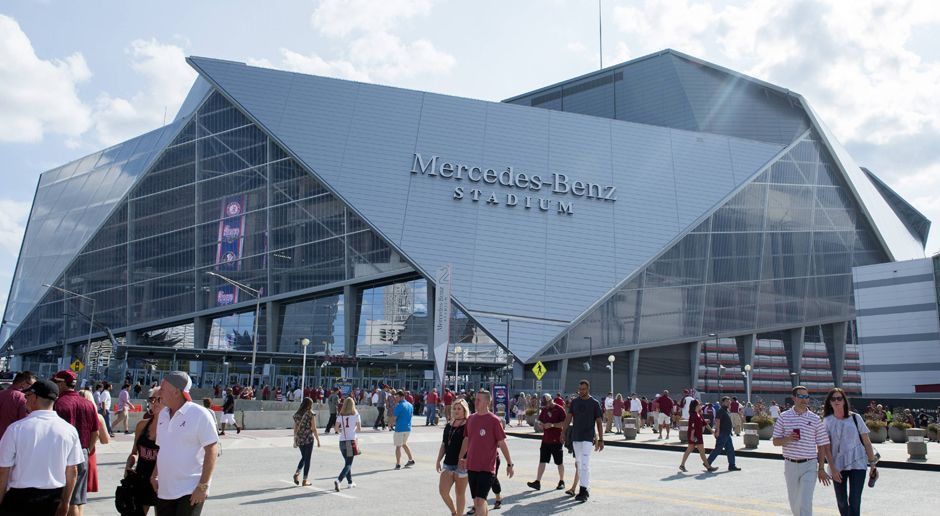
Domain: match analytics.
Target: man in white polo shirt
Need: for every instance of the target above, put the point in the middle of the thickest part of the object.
(805, 443)
(38, 458)
(188, 444)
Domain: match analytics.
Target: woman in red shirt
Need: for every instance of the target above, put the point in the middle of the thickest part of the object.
(696, 425)
(618, 413)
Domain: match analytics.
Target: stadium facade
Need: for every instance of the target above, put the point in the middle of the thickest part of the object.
(677, 216)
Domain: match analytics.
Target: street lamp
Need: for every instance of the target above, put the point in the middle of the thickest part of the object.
(747, 380)
(254, 339)
(587, 365)
(91, 320)
(611, 358)
(721, 371)
(303, 372)
(457, 351)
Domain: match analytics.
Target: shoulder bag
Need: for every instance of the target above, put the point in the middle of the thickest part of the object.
(855, 420)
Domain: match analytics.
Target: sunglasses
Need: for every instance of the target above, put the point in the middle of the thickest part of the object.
(153, 399)
(834, 398)
(803, 396)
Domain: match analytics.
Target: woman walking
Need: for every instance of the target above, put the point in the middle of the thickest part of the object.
(618, 413)
(100, 437)
(451, 475)
(305, 432)
(143, 457)
(347, 424)
(521, 404)
(852, 452)
(696, 425)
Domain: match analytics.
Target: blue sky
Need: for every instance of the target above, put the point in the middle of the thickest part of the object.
(78, 76)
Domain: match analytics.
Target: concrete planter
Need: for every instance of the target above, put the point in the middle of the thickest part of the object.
(766, 433)
(683, 430)
(897, 435)
(916, 443)
(630, 425)
(751, 435)
(878, 435)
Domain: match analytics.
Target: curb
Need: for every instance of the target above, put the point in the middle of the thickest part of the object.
(677, 447)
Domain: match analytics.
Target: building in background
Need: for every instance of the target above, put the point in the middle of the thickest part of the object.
(684, 219)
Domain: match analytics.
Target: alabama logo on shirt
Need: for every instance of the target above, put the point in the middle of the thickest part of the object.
(482, 432)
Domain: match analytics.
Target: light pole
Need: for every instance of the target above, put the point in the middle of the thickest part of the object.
(303, 372)
(457, 351)
(254, 337)
(611, 358)
(91, 320)
(747, 380)
(721, 371)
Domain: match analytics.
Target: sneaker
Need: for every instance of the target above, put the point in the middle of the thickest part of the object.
(734, 468)
(238, 430)
(583, 495)
(336, 485)
(397, 466)
(560, 486)
(350, 485)
(409, 463)
(535, 485)
(710, 469)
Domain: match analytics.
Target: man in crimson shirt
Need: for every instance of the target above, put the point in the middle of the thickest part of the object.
(448, 401)
(13, 401)
(483, 436)
(552, 418)
(432, 400)
(665, 414)
(81, 414)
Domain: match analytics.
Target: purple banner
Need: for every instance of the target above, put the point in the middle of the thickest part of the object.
(231, 242)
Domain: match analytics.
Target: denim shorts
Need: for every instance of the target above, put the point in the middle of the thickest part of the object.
(462, 473)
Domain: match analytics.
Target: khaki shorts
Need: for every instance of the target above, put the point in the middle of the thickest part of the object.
(401, 438)
(663, 419)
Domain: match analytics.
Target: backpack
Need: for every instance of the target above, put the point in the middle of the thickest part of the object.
(125, 495)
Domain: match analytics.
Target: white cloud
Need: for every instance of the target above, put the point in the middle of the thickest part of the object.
(38, 96)
(13, 215)
(371, 49)
(169, 79)
(342, 17)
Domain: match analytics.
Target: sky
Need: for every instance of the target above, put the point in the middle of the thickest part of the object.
(79, 76)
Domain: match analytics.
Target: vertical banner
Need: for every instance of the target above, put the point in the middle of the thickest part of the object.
(442, 320)
(230, 245)
(501, 401)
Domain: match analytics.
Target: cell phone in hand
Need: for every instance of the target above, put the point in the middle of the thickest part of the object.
(796, 432)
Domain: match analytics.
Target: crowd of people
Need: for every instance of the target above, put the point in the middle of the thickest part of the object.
(175, 444)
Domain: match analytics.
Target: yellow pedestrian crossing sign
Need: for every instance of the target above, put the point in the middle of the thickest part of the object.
(539, 369)
(77, 366)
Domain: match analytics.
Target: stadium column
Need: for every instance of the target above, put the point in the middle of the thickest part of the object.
(272, 333)
(746, 345)
(834, 335)
(432, 316)
(793, 347)
(563, 376)
(201, 327)
(695, 354)
(633, 367)
(350, 319)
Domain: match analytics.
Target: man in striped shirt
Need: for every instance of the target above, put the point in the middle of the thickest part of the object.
(805, 445)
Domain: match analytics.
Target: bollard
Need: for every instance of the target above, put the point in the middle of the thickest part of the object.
(916, 443)
(683, 430)
(751, 439)
(629, 428)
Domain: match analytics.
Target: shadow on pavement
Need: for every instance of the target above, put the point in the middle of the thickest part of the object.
(239, 494)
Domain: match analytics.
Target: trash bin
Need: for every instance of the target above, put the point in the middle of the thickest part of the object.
(751, 439)
(916, 443)
(629, 428)
(683, 430)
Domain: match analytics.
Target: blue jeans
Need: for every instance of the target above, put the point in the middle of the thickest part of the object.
(106, 414)
(723, 444)
(347, 469)
(850, 503)
(305, 451)
(432, 414)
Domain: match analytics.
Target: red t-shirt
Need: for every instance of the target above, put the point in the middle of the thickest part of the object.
(432, 398)
(12, 408)
(410, 399)
(552, 414)
(448, 398)
(484, 432)
(80, 413)
(665, 405)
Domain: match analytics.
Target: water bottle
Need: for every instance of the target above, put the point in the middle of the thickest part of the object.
(872, 477)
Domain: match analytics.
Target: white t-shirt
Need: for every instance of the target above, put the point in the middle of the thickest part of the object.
(347, 427)
(182, 442)
(105, 398)
(375, 398)
(38, 448)
(97, 396)
(608, 403)
(774, 411)
(298, 394)
(636, 406)
(685, 406)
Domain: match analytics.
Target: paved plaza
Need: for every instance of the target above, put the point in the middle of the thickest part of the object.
(253, 477)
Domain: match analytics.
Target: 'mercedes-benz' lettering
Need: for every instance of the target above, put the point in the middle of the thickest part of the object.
(519, 184)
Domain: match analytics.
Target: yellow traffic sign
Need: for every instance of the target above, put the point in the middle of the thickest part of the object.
(77, 366)
(539, 369)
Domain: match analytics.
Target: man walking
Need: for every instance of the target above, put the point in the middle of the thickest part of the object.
(552, 417)
(123, 407)
(585, 415)
(379, 402)
(723, 443)
(609, 411)
(665, 414)
(228, 412)
(736, 420)
(401, 419)
(104, 406)
(636, 410)
(13, 401)
(39, 457)
(805, 443)
(448, 399)
(188, 447)
(331, 403)
(81, 414)
(432, 399)
(483, 436)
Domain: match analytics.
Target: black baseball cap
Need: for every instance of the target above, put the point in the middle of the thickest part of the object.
(44, 389)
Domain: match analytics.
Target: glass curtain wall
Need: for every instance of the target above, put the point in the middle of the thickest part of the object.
(222, 199)
(778, 254)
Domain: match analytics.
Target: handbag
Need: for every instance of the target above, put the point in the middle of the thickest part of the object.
(125, 495)
(352, 448)
(854, 420)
